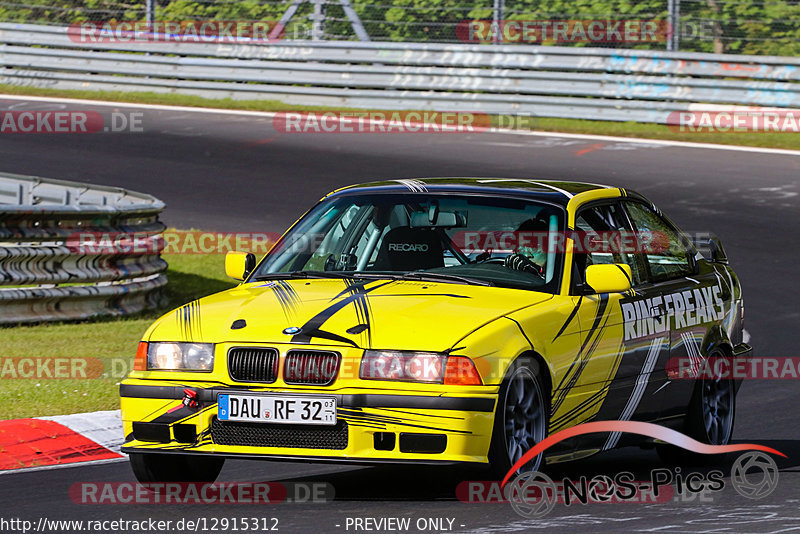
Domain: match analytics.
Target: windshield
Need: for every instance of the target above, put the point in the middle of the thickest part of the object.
(455, 238)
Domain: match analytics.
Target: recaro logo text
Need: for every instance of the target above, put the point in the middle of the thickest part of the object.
(408, 247)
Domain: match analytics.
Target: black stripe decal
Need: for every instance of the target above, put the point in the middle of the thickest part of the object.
(375, 426)
(521, 331)
(586, 404)
(570, 318)
(580, 362)
(451, 295)
(187, 319)
(580, 406)
(323, 334)
(428, 427)
(366, 418)
(287, 297)
(360, 414)
(587, 353)
(601, 307)
(312, 326)
(363, 313)
(573, 420)
(618, 266)
(425, 414)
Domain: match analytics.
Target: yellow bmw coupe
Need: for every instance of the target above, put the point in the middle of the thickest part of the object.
(439, 321)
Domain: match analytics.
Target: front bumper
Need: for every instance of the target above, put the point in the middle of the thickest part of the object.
(374, 426)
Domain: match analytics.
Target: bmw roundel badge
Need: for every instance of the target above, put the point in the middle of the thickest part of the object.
(292, 330)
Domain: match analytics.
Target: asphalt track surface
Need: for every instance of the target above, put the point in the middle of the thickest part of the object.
(235, 173)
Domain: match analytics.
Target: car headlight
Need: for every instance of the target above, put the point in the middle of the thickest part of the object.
(430, 367)
(180, 356)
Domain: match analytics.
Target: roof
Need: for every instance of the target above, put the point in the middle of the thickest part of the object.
(555, 191)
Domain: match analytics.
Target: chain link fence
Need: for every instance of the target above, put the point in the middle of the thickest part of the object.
(763, 27)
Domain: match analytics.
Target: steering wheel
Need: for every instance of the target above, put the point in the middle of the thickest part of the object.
(486, 257)
(518, 262)
(499, 261)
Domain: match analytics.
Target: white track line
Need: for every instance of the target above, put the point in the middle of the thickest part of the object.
(504, 131)
(62, 466)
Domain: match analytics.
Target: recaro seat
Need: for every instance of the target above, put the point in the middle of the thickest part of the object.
(410, 249)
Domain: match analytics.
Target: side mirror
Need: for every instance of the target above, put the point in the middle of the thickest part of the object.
(609, 278)
(711, 248)
(239, 264)
(717, 252)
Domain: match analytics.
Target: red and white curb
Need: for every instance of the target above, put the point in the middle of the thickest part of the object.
(60, 441)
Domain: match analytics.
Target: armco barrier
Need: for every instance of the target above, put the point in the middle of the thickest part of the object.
(48, 269)
(570, 82)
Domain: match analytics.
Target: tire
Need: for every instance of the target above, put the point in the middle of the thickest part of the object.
(154, 467)
(709, 419)
(521, 417)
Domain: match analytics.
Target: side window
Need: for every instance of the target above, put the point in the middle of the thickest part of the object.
(666, 253)
(599, 230)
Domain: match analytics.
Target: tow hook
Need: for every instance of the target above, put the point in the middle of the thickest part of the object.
(190, 399)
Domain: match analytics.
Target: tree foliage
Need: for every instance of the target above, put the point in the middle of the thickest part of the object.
(732, 26)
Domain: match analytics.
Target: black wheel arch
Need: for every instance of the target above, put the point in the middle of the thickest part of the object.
(716, 339)
(542, 369)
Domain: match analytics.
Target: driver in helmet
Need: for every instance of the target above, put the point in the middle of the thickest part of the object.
(531, 254)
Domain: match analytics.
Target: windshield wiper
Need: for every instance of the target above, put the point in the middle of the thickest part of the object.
(413, 275)
(317, 274)
(300, 274)
(426, 275)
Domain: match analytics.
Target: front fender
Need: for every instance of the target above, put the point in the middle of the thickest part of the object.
(493, 348)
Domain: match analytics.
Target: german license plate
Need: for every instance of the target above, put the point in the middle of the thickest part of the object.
(290, 409)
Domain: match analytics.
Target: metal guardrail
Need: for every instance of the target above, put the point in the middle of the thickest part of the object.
(591, 83)
(59, 254)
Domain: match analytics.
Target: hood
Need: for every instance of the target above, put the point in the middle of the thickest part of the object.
(379, 314)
